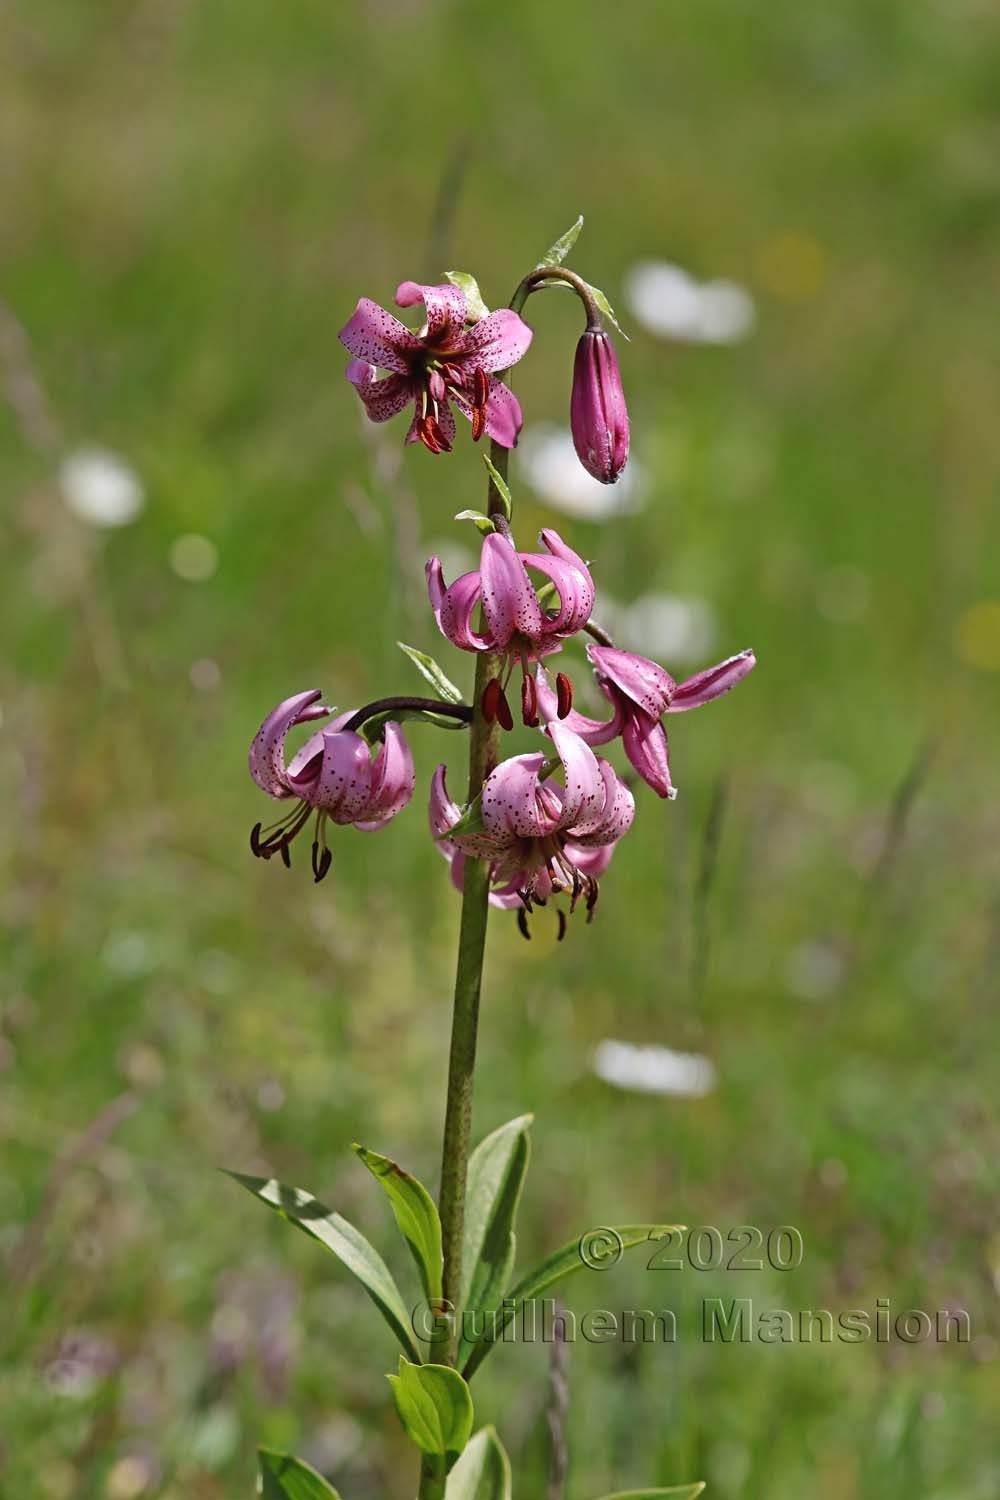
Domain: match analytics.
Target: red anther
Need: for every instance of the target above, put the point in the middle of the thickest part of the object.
(478, 422)
(491, 699)
(564, 695)
(503, 708)
(434, 429)
(562, 925)
(481, 386)
(529, 701)
(425, 432)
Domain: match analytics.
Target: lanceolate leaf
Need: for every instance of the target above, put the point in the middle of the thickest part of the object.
(432, 673)
(347, 1244)
(283, 1477)
(557, 253)
(415, 1214)
(468, 284)
(435, 1406)
(482, 523)
(482, 1472)
(500, 485)
(676, 1491)
(556, 1268)
(373, 729)
(496, 1173)
(607, 310)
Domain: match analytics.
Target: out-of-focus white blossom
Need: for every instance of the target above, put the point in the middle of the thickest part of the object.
(669, 627)
(100, 488)
(547, 460)
(672, 304)
(654, 1070)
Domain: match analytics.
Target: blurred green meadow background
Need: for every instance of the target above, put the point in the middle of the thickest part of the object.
(195, 193)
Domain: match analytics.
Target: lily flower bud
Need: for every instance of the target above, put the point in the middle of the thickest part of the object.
(598, 415)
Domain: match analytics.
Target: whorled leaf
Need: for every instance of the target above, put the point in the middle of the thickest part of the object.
(415, 1213)
(435, 1407)
(500, 485)
(468, 284)
(554, 1268)
(347, 1244)
(483, 1471)
(283, 1477)
(557, 253)
(496, 1174)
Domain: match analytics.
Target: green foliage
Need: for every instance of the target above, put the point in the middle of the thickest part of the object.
(435, 1407)
(496, 1175)
(283, 1477)
(555, 1268)
(500, 486)
(483, 1471)
(473, 296)
(677, 1491)
(432, 673)
(415, 1213)
(347, 1244)
(557, 252)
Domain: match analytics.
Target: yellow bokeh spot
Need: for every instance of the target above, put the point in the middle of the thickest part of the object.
(793, 267)
(977, 635)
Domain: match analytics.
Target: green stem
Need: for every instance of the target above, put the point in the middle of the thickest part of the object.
(432, 1479)
(483, 747)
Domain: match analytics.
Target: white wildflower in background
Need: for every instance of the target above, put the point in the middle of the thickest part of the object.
(194, 558)
(100, 488)
(654, 1070)
(672, 304)
(547, 460)
(674, 627)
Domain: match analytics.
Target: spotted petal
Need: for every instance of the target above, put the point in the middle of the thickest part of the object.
(453, 607)
(392, 780)
(585, 791)
(571, 577)
(645, 743)
(498, 341)
(343, 786)
(267, 753)
(640, 679)
(382, 398)
(446, 310)
(374, 335)
(591, 731)
(509, 601)
(615, 818)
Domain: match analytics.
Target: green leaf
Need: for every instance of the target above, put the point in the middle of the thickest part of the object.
(483, 1471)
(557, 253)
(283, 1477)
(678, 1491)
(607, 310)
(496, 1174)
(374, 728)
(432, 673)
(473, 296)
(556, 1267)
(482, 523)
(347, 1244)
(435, 1406)
(415, 1214)
(500, 485)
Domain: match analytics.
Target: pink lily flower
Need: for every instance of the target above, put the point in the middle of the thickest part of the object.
(445, 362)
(542, 837)
(517, 627)
(598, 414)
(640, 693)
(332, 775)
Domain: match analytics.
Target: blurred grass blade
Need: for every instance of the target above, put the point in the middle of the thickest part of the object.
(415, 1213)
(347, 1244)
(283, 1477)
(678, 1491)
(435, 1406)
(555, 1268)
(432, 673)
(483, 1471)
(557, 253)
(496, 1174)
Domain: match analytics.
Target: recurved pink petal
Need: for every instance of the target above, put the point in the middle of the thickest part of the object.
(509, 601)
(445, 306)
(343, 786)
(443, 812)
(512, 805)
(374, 335)
(453, 607)
(267, 752)
(497, 341)
(571, 576)
(645, 742)
(382, 398)
(392, 780)
(705, 686)
(640, 679)
(616, 816)
(591, 731)
(584, 797)
(589, 860)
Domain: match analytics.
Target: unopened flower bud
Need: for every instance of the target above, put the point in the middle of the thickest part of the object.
(598, 415)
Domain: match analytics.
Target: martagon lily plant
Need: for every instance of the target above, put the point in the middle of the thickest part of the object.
(535, 832)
